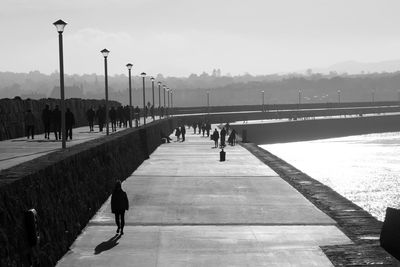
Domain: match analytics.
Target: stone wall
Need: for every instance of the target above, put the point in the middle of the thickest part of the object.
(12, 112)
(302, 130)
(67, 188)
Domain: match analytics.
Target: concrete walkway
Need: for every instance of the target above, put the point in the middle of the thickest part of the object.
(189, 209)
(19, 150)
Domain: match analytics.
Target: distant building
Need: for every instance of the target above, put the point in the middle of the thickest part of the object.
(32, 95)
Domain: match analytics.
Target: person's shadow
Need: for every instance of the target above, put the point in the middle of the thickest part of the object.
(107, 245)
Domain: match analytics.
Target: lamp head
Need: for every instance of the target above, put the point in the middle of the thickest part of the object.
(152, 79)
(143, 74)
(105, 52)
(129, 66)
(159, 83)
(60, 24)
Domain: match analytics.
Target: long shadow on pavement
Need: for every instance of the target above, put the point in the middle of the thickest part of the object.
(107, 245)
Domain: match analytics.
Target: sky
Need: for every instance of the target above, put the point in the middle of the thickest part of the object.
(180, 37)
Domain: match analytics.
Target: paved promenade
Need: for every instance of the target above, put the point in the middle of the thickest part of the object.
(19, 150)
(189, 209)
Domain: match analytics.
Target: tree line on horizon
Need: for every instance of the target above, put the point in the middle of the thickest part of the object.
(223, 89)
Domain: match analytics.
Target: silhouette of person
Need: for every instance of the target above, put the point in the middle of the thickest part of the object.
(113, 118)
(101, 117)
(69, 123)
(177, 133)
(183, 132)
(56, 121)
(223, 135)
(137, 116)
(215, 137)
(232, 138)
(30, 124)
(46, 119)
(90, 114)
(119, 204)
(152, 112)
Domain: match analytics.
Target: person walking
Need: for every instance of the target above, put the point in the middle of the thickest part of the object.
(30, 124)
(223, 135)
(177, 134)
(90, 114)
(101, 117)
(119, 204)
(46, 119)
(113, 118)
(56, 121)
(183, 132)
(69, 123)
(215, 137)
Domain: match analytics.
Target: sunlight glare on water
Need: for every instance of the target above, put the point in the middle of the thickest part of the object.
(364, 168)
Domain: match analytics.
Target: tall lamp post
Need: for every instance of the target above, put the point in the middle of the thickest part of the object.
(168, 102)
(159, 99)
(129, 66)
(152, 89)
(299, 98)
(373, 95)
(144, 98)
(263, 94)
(208, 101)
(105, 53)
(338, 95)
(165, 107)
(60, 28)
(398, 95)
(172, 103)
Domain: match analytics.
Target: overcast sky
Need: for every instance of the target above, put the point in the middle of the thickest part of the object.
(179, 37)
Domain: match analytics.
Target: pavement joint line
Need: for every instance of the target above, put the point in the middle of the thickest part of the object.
(31, 154)
(210, 224)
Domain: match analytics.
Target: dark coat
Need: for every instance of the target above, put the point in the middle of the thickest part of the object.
(119, 201)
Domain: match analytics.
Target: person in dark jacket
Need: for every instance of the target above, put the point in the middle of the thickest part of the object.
(183, 132)
(119, 204)
(215, 137)
(56, 121)
(90, 114)
(46, 119)
(113, 118)
(30, 124)
(223, 135)
(69, 123)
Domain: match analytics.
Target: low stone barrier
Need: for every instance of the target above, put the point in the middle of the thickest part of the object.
(67, 188)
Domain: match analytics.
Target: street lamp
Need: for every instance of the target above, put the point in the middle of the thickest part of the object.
(159, 97)
(208, 101)
(168, 102)
(172, 103)
(144, 98)
(398, 95)
(299, 98)
(129, 66)
(105, 53)
(338, 93)
(262, 100)
(165, 108)
(152, 89)
(60, 28)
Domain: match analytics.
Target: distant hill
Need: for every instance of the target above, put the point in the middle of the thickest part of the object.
(355, 67)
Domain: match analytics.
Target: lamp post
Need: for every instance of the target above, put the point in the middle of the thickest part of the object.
(338, 94)
(165, 108)
(159, 99)
(398, 95)
(152, 89)
(208, 101)
(262, 92)
(60, 28)
(168, 102)
(144, 98)
(105, 53)
(299, 98)
(172, 103)
(129, 66)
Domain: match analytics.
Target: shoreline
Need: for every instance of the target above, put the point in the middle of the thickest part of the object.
(360, 226)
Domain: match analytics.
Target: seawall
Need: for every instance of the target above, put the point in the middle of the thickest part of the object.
(302, 130)
(12, 112)
(67, 188)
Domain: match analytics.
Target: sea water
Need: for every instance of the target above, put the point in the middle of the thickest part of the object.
(363, 168)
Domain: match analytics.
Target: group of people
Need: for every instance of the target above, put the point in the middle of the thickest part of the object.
(221, 136)
(202, 127)
(51, 120)
(180, 131)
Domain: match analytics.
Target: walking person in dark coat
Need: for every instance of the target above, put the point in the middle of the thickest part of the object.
(223, 135)
(177, 134)
(183, 132)
(113, 118)
(215, 137)
(30, 124)
(119, 204)
(90, 114)
(101, 117)
(69, 123)
(56, 121)
(46, 119)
